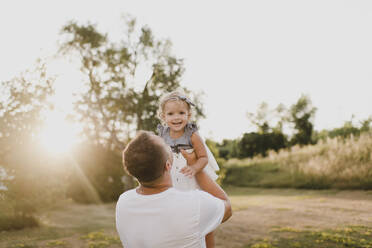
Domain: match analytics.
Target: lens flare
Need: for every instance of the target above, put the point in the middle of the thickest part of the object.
(58, 135)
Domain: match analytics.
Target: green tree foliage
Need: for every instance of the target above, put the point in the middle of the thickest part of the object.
(269, 124)
(30, 172)
(96, 175)
(252, 144)
(269, 135)
(115, 102)
(118, 100)
(268, 120)
(212, 147)
(228, 149)
(301, 114)
(347, 130)
(22, 101)
(260, 119)
(366, 124)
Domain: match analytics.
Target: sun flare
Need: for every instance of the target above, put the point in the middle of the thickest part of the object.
(58, 135)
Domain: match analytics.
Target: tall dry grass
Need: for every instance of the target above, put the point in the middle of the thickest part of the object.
(334, 163)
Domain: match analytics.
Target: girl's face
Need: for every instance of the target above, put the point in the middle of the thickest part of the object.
(176, 114)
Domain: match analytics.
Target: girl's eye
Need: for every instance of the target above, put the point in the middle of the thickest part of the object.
(182, 113)
(169, 113)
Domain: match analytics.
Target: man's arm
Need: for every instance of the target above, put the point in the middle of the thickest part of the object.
(210, 186)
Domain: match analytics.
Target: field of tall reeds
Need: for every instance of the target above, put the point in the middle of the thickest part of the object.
(333, 163)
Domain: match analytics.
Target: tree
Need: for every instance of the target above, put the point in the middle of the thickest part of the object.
(97, 176)
(269, 134)
(366, 124)
(302, 115)
(30, 182)
(261, 118)
(23, 100)
(348, 129)
(264, 119)
(252, 144)
(212, 145)
(115, 103)
(228, 149)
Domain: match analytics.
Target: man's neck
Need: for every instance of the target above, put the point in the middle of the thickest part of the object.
(153, 189)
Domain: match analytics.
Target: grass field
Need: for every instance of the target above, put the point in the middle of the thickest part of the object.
(262, 218)
(333, 163)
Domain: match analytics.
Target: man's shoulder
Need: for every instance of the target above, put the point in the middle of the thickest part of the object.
(170, 194)
(189, 193)
(191, 197)
(201, 193)
(127, 195)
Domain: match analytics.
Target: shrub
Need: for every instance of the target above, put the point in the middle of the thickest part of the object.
(96, 175)
(17, 222)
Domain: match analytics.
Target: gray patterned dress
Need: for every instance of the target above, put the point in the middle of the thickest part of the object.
(179, 180)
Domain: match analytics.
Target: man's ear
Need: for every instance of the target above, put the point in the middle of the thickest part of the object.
(168, 165)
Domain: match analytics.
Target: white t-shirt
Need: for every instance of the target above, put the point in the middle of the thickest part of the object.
(170, 219)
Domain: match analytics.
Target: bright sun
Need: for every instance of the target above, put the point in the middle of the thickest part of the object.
(58, 135)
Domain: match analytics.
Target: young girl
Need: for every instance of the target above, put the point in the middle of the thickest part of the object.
(179, 133)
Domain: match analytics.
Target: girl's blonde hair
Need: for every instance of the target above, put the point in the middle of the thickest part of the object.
(177, 95)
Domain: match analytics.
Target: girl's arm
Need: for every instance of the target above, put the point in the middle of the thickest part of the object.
(208, 185)
(201, 155)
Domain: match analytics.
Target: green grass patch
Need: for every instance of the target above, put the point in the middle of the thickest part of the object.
(22, 245)
(57, 243)
(286, 229)
(299, 194)
(267, 175)
(71, 221)
(287, 237)
(99, 239)
(272, 175)
(37, 234)
(243, 198)
(50, 237)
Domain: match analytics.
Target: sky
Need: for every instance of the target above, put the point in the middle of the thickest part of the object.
(238, 53)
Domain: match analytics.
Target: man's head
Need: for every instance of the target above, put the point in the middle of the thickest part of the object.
(146, 156)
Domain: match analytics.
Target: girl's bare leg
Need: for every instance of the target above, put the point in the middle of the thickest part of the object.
(209, 240)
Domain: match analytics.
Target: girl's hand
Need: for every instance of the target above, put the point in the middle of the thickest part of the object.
(189, 171)
(190, 157)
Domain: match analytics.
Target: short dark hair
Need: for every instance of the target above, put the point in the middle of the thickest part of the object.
(144, 158)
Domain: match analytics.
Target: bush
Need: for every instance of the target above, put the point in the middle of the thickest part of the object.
(222, 171)
(252, 144)
(36, 181)
(17, 222)
(96, 175)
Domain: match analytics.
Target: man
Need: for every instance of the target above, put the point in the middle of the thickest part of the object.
(155, 215)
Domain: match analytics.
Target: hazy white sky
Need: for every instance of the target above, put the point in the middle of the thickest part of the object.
(239, 53)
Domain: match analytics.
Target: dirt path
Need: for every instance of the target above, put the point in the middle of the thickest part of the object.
(259, 212)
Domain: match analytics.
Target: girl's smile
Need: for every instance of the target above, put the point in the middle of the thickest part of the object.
(176, 116)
